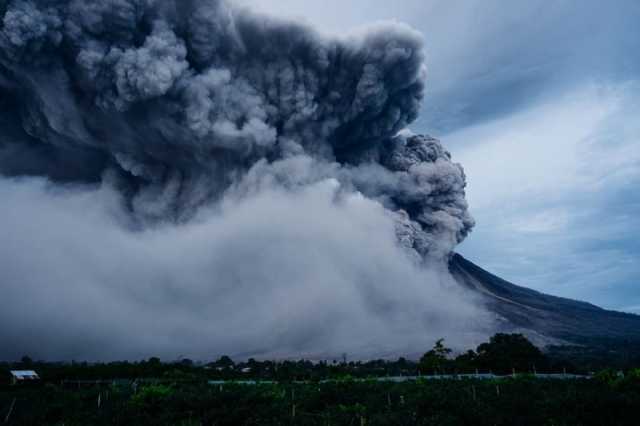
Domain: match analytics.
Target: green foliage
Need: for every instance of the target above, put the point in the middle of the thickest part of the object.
(466, 362)
(502, 354)
(620, 381)
(435, 360)
(507, 352)
(607, 376)
(151, 394)
(634, 374)
(482, 403)
(224, 362)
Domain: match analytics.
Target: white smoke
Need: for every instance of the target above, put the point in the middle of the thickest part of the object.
(309, 272)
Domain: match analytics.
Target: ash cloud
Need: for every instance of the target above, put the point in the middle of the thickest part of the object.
(206, 165)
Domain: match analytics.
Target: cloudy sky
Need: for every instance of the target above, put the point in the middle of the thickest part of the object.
(539, 100)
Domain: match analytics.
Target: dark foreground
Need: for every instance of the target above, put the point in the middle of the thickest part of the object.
(603, 400)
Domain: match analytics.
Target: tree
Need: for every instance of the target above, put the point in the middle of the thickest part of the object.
(505, 352)
(186, 362)
(224, 362)
(26, 361)
(466, 362)
(436, 359)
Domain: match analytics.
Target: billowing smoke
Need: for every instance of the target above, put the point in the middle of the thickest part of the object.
(190, 177)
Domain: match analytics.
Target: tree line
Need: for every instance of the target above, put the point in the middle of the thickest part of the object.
(502, 354)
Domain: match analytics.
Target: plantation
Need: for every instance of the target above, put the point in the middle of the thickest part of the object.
(502, 382)
(603, 400)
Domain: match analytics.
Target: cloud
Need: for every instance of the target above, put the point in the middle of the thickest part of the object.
(552, 220)
(489, 58)
(220, 180)
(176, 106)
(553, 191)
(314, 272)
(537, 101)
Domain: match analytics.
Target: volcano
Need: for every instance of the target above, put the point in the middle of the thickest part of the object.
(547, 320)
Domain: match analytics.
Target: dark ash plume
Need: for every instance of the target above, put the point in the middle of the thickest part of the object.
(184, 106)
(179, 99)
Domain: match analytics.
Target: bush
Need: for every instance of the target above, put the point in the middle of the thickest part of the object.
(151, 394)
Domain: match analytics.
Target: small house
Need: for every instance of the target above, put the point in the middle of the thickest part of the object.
(23, 376)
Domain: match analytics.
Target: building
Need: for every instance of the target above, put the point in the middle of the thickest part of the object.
(23, 376)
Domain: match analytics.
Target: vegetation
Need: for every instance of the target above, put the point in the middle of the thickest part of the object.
(223, 392)
(503, 354)
(520, 401)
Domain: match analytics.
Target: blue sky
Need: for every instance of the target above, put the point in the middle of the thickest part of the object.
(540, 101)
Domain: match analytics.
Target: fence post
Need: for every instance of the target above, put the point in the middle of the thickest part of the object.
(293, 403)
(13, 403)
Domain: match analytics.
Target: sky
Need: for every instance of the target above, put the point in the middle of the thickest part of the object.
(539, 102)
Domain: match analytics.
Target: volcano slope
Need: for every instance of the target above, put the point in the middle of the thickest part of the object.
(549, 321)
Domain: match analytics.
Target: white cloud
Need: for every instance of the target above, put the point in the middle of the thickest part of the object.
(546, 221)
(545, 151)
(552, 189)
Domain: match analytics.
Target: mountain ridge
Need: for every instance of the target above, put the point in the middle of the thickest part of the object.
(547, 320)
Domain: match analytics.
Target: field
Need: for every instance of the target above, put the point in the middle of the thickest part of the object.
(505, 381)
(603, 400)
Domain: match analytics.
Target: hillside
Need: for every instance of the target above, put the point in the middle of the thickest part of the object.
(548, 320)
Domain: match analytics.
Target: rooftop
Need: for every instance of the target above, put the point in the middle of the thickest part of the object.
(24, 374)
